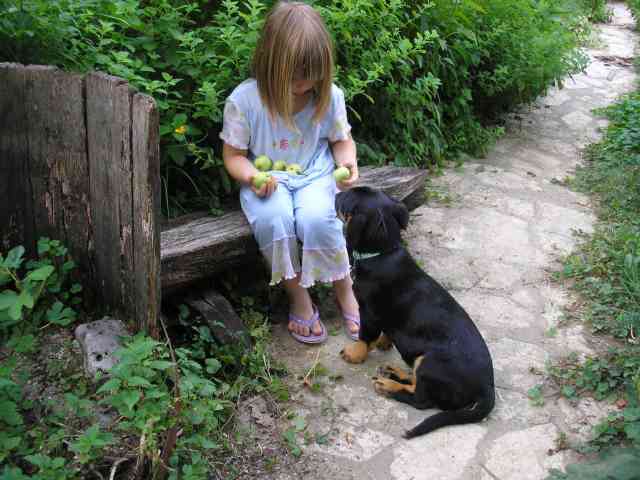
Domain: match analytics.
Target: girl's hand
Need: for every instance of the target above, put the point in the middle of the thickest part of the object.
(266, 189)
(351, 181)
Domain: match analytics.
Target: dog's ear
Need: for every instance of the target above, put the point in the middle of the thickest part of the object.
(355, 227)
(401, 214)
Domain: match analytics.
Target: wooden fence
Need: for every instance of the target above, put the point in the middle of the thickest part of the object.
(79, 162)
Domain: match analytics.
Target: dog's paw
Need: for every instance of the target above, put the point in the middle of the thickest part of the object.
(385, 371)
(383, 386)
(355, 352)
(393, 373)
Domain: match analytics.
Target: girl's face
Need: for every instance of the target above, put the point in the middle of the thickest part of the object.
(302, 87)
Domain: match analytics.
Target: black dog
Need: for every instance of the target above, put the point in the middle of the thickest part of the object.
(402, 305)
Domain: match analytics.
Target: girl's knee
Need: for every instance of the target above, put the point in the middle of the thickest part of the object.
(275, 220)
(316, 221)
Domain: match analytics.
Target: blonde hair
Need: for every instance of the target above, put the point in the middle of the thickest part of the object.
(294, 45)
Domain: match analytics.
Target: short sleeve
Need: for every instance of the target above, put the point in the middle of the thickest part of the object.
(235, 128)
(340, 128)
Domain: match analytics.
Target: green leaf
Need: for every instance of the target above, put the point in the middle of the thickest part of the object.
(110, 385)
(7, 299)
(23, 343)
(130, 398)
(4, 276)
(160, 364)
(41, 273)
(26, 299)
(156, 394)
(14, 258)
(8, 443)
(138, 382)
(15, 310)
(213, 365)
(60, 315)
(9, 412)
(179, 119)
(632, 431)
(44, 245)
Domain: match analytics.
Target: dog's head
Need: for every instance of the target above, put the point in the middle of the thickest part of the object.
(372, 219)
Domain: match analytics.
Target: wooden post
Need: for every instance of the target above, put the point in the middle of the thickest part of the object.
(146, 212)
(79, 160)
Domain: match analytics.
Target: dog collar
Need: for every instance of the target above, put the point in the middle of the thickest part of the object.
(364, 256)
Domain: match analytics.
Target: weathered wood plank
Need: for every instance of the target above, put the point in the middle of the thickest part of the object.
(58, 158)
(109, 148)
(16, 218)
(40, 137)
(146, 212)
(207, 245)
(203, 247)
(225, 324)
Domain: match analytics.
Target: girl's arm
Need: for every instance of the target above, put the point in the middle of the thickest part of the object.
(344, 154)
(242, 170)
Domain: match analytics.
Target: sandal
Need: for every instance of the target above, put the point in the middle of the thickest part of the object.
(355, 320)
(349, 318)
(310, 339)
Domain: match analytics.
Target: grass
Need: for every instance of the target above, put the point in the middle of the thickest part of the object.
(605, 271)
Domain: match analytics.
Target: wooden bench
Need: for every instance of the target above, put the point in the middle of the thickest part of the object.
(200, 247)
(80, 163)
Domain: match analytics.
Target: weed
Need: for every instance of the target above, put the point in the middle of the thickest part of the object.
(606, 272)
(535, 396)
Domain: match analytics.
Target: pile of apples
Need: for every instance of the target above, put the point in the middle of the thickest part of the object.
(264, 165)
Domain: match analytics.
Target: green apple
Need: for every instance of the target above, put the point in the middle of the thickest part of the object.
(341, 174)
(260, 179)
(263, 163)
(280, 165)
(294, 169)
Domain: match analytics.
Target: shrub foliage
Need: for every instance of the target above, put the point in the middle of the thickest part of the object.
(424, 79)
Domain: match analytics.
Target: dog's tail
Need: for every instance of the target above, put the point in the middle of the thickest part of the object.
(471, 414)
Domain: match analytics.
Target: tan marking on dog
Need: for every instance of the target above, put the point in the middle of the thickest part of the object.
(399, 373)
(384, 342)
(387, 386)
(356, 352)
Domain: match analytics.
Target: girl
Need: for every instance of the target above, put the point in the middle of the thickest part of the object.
(291, 111)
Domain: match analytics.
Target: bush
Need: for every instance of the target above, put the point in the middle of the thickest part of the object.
(173, 401)
(425, 80)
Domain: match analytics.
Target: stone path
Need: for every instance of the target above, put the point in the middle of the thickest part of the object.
(494, 245)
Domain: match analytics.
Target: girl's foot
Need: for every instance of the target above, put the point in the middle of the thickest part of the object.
(305, 315)
(300, 308)
(305, 324)
(348, 305)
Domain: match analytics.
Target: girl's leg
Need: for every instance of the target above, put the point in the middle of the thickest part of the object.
(324, 255)
(272, 223)
(346, 299)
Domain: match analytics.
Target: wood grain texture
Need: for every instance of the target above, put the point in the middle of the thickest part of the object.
(59, 173)
(225, 324)
(79, 162)
(109, 148)
(145, 149)
(204, 246)
(16, 218)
